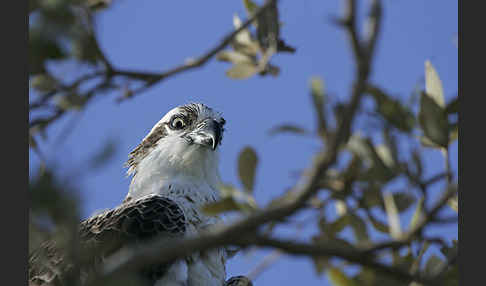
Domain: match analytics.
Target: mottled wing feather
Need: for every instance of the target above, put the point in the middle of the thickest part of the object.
(238, 281)
(132, 222)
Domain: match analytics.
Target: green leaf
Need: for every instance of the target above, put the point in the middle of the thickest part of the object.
(247, 163)
(454, 203)
(433, 121)
(427, 143)
(85, 48)
(433, 84)
(416, 264)
(417, 215)
(433, 265)
(403, 201)
(250, 7)
(227, 190)
(71, 101)
(105, 154)
(385, 155)
(224, 205)
(242, 71)
(339, 278)
(392, 110)
(288, 128)
(338, 225)
(360, 147)
(320, 263)
(234, 57)
(318, 97)
(42, 48)
(359, 228)
(372, 196)
(32, 141)
(450, 252)
(453, 132)
(44, 82)
(417, 161)
(377, 168)
(243, 41)
(98, 4)
(453, 106)
(392, 215)
(268, 28)
(378, 225)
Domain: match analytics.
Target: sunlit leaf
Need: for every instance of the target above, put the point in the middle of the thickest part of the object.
(339, 278)
(361, 148)
(250, 7)
(433, 121)
(318, 97)
(247, 163)
(70, 101)
(224, 205)
(417, 215)
(453, 132)
(227, 190)
(243, 41)
(385, 155)
(392, 215)
(234, 57)
(43, 82)
(433, 84)
(454, 203)
(377, 169)
(426, 142)
(242, 71)
(341, 207)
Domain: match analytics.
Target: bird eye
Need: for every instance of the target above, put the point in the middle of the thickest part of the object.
(177, 123)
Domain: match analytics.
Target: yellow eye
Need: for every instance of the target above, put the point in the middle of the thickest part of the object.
(177, 123)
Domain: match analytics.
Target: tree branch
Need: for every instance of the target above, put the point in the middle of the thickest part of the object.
(198, 62)
(229, 235)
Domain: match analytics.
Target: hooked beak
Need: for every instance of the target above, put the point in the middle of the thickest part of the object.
(207, 133)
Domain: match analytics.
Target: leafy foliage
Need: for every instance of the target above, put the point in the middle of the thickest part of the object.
(360, 189)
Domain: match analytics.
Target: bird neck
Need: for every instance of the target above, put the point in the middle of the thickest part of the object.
(163, 174)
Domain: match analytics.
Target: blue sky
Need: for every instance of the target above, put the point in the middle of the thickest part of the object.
(157, 35)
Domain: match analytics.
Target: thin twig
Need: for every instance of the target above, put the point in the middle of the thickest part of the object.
(195, 63)
(169, 251)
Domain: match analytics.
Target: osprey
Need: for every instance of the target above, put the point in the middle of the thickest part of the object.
(174, 173)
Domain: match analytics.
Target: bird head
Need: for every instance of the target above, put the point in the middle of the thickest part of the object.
(183, 143)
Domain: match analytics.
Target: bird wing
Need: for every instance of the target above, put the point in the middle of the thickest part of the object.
(130, 223)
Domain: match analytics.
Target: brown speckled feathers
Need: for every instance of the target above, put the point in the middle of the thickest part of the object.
(131, 222)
